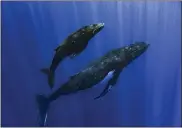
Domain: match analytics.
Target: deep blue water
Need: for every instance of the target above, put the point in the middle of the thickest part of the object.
(148, 91)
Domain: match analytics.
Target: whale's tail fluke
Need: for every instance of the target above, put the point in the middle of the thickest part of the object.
(43, 105)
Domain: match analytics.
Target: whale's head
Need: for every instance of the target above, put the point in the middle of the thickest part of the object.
(136, 49)
(86, 32)
(93, 29)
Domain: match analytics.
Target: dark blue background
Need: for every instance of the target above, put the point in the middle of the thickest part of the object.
(148, 91)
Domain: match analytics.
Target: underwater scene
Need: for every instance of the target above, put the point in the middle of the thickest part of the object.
(91, 64)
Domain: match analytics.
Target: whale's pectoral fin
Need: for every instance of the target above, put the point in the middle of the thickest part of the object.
(115, 77)
(104, 92)
(110, 83)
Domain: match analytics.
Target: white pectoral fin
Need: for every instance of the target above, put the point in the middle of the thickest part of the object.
(104, 92)
(113, 77)
(108, 77)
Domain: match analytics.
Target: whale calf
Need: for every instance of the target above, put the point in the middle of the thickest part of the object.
(72, 46)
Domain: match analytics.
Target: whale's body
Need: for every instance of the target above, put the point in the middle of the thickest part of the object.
(112, 62)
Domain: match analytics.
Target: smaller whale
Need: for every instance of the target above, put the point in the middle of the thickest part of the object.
(72, 46)
(107, 67)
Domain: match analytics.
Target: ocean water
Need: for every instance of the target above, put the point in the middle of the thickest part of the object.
(148, 90)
